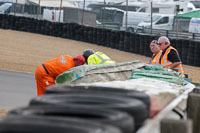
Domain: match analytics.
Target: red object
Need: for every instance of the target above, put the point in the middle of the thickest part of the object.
(53, 16)
(155, 107)
(80, 59)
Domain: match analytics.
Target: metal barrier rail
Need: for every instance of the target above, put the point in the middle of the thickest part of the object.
(172, 34)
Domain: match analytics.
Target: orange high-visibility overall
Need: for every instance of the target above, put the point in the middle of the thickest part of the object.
(46, 73)
(156, 59)
(167, 63)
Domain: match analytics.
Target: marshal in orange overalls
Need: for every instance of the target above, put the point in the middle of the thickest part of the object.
(46, 73)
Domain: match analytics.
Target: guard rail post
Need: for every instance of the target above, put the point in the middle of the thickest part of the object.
(176, 126)
(193, 109)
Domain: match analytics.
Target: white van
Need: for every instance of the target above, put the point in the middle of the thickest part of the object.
(133, 19)
(116, 18)
(5, 8)
(194, 25)
(159, 21)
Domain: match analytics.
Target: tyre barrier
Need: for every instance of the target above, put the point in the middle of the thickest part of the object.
(197, 54)
(99, 36)
(191, 54)
(147, 51)
(90, 35)
(142, 43)
(79, 33)
(173, 42)
(121, 40)
(136, 108)
(37, 124)
(132, 42)
(137, 44)
(108, 38)
(179, 47)
(115, 118)
(104, 37)
(185, 47)
(113, 39)
(85, 34)
(126, 41)
(97, 89)
(95, 36)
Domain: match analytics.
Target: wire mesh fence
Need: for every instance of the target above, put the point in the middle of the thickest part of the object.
(112, 14)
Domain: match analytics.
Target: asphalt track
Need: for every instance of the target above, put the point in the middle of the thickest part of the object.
(16, 89)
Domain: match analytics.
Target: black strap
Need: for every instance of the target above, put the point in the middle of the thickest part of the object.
(45, 69)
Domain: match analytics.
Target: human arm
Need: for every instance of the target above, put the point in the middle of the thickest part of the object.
(174, 65)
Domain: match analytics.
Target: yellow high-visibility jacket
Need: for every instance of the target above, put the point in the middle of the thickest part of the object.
(99, 58)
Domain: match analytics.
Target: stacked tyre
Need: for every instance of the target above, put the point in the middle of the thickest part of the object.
(108, 37)
(39, 124)
(94, 36)
(191, 54)
(132, 42)
(127, 42)
(179, 46)
(197, 54)
(142, 44)
(99, 36)
(102, 97)
(137, 44)
(121, 41)
(70, 109)
(185, 47)
(90, 35)
(147, 51)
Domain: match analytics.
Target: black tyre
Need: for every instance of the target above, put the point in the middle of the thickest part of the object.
(102, 90)
(95, 100)
(36, 124)
(106, 116)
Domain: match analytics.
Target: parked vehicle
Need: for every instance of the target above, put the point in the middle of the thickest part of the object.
(194, 25)
(115, 18)
(5, 8)
(71, 15)
(159, 21)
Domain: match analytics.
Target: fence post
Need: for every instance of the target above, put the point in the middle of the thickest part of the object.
(15, 8)
(82, 19)
(60, 10)
(126, 14)
(38, 9)
(176, 126)
(193, 109)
